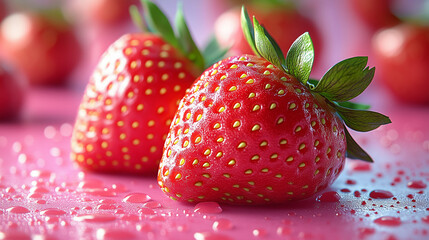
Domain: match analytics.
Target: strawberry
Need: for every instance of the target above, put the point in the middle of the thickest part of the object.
(132, 96)
(257, 130)
(41, 44)
(11, 93)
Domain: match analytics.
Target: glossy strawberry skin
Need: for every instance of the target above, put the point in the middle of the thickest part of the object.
(128, 105)
(247, 133)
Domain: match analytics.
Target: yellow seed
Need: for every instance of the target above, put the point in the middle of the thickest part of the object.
(256, 127)
(206, 165)
(297, 129)
(197, 140)
(242, 145)
(223, 77)
(249, 64)
(236, 186)
(206, 175)
(271, 66)
(275, 155)
(273, 105)
(269, 188)
(186, 143)
(195, 162)
(255, 157)
(215, 189)
(316, 172)
(301, 146)
(120, 123)
(317, 159)
(250, 81)
(256, 107)
(283, 141)
(148, 63)
(278, 175)
(198, 184)
(148, 91)
(139, 107)
(219, 154)
(182, 161)
(177, 65)
(128, 51)
(292, 106)
(122, 136)
(289, 159)
(219, 140)
(207, 152)
(233, 66)
(323, 121)
(242, 58)
(237, 105)
(281, 92)
(236, 124)
(316, 143)
(263, 143)
(233, 88)
(301, 165)
(280, 121)
(133, 64)
(243, 75)
(266, 72)
(199, 116)
(213, 72)
(268, 86)
(328, 150)
(216, 126)
(290, 193)
(178, 176)
(298, 90)
(248, 171)
(221, 109)
(264, 170)
(226, 175)
(231, 162)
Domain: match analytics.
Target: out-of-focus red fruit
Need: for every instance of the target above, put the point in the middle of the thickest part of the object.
(284, 24)
(3, 9)
(375, 14)
(402, 59)
(43, 46)
(11, 94)
(102, 12)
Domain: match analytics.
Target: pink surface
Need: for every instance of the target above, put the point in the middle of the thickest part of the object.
(44, 195)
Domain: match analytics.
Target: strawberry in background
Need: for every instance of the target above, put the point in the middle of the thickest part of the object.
(11, 93)
(283, 21)
(41, 44)
(375, 14)
(3, 9)
(402, 57)
(133, 93)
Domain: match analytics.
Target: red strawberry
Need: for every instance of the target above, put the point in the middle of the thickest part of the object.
(11, 94)
(375, 14)
(132, 96)
(42, 45)
(253, 131)
(405, 47)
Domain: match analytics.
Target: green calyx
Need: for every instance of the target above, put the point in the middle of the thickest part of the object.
(340, 84)
(155, 21)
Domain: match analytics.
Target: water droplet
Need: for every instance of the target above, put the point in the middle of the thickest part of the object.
(106, 207)
(380, 194)
(259, 232)
(360, 166)
(388, 221)
(152, 204)
(41, 190)
(130, 218)
(18, 210)
(95, 218)
(330, 196)
(136, 198)
(222, 224)
(210, 236)
(416, 184)
(146, 211)
(425, 219)
(284, 231)
(52, 212)
(208, 207)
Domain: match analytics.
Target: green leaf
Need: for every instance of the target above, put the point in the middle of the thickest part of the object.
(247, 27)
(361, 120)
(356, 106)
(137, 19)
(266, 46)
(213, 52)
(354, 151)
(346, 79)
(185, 39)
(158, 23)
(300, 57)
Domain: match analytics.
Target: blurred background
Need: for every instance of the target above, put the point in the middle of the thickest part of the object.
(48, 47)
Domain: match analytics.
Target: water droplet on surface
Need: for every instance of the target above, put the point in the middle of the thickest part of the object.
(380, 194)
(388, 221)
(95, 218)
(259, 232)
(360, 166)
(146, 211)
(136, 198)
(330, 196)
(152, 204)
(208, 207)
(18, 210)
(425, 219)
(52, 212)
(222, 225)
(416, 184)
